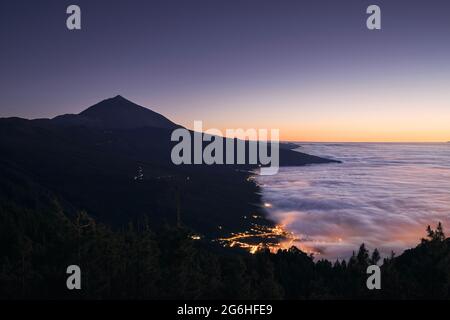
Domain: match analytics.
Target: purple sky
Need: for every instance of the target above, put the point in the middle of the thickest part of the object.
(310, 68)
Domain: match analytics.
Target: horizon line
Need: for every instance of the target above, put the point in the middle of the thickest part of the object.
(393, 142)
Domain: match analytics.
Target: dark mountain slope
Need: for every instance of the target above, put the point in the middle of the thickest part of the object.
(94, 168)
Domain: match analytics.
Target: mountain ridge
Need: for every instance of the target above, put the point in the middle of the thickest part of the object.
(93, 169)
(116, 113)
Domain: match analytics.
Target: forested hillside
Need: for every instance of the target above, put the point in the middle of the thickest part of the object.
(38, 240)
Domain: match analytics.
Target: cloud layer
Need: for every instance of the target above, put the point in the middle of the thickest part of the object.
(383, 195)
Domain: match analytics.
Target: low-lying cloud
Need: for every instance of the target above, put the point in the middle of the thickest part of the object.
(385, 201)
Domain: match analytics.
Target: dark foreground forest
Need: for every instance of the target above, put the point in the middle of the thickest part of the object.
(38, 241)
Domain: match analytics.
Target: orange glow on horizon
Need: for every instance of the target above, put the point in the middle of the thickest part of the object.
(297, 135)
(403, 132)
(400, 114)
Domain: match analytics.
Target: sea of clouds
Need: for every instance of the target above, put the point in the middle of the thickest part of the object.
(383, 195)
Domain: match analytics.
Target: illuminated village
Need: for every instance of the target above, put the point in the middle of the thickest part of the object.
(260, 237)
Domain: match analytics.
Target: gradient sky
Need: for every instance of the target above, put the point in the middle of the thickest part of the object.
(310, 68)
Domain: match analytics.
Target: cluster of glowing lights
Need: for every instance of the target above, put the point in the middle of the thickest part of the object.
(272, 238)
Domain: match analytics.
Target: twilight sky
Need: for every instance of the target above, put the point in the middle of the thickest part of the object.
(310, 68)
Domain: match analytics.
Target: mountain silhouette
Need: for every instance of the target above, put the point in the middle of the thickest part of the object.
(125, 173)
(116, 113)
